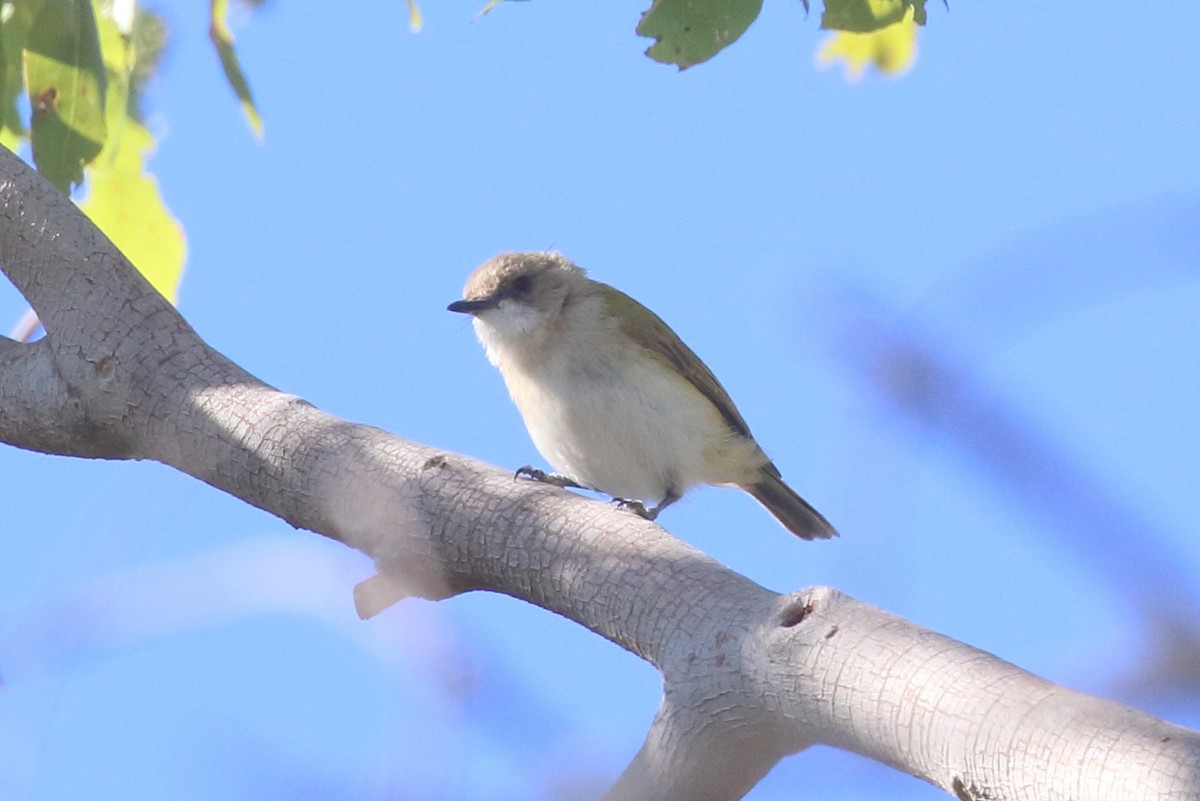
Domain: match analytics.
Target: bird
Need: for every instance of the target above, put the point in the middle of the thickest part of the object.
(611, 396)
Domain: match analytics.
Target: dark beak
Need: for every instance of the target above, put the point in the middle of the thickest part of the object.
(471, 306)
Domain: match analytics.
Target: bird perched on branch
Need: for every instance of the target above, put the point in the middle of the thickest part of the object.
(611, 396)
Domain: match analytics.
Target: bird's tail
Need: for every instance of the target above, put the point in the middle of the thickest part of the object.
(796, 514)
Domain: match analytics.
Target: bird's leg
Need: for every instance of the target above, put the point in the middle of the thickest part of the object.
(557, 479)
(667, 500)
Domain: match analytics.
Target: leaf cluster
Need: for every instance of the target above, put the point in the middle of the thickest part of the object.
(72, 75)
(689, 32)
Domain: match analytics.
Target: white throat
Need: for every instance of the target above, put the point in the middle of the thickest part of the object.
(510, 331)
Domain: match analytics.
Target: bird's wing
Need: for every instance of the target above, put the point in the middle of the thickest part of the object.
(649, 331)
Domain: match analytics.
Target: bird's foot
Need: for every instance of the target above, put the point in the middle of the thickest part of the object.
(557, 479)
(637, 507)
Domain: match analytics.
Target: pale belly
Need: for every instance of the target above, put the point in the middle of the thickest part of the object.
(636, 432)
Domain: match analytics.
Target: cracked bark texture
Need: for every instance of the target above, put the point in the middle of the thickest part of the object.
(749, 675)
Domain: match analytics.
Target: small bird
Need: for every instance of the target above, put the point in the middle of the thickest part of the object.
(611, 396)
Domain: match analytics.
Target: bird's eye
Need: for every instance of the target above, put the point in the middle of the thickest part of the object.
(521, 285)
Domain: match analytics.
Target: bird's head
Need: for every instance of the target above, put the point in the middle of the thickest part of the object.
(518, 298)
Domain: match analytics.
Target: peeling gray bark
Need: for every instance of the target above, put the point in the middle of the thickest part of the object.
(749, 675)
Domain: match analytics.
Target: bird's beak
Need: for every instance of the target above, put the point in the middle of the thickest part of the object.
(472, 306)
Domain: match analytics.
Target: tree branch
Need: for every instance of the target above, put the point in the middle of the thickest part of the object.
(749, 675)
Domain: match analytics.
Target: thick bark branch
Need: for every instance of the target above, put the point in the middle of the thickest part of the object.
(749, 675)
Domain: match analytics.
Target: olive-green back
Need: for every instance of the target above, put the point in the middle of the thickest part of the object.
(649, 331)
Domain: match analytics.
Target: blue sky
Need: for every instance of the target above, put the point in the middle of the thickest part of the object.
(1019, 211)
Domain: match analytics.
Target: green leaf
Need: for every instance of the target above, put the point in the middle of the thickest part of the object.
(123, 199)
(14, 28)
(693, 31)
(64, 76)
(222, 39)
(865, 16)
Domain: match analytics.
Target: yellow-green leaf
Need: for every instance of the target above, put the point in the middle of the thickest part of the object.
(64, 76)
(123, 199)
(222, 39)
(415, 21)
(693, 31)
(890, 50)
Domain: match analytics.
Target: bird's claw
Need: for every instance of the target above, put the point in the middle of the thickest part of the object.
(637, 507)
(530, 472)
(555, 479)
